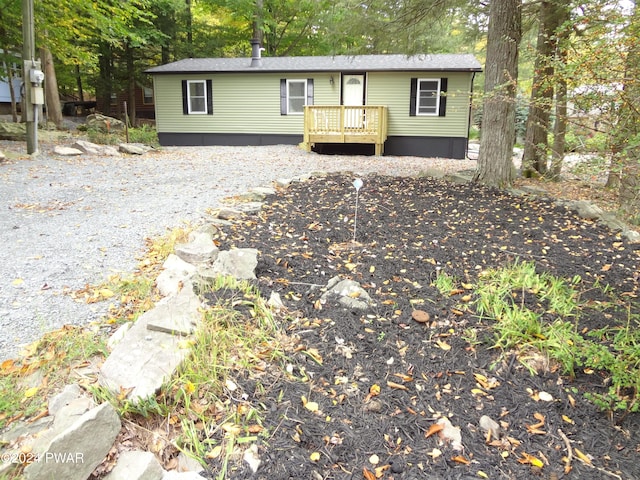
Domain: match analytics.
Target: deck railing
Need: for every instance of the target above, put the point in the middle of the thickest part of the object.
(345, 124)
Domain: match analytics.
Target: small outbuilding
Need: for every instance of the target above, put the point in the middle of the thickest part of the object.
(403, 104)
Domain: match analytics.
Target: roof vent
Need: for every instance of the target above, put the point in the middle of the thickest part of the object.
(256, 53)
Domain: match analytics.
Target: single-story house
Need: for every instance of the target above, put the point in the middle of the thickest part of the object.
(404, 104)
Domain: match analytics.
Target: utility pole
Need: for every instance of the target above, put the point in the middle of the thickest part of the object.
(32, 77)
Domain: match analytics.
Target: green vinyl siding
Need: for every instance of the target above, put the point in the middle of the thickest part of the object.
(249, 103)
(242, 103)
(393, 89)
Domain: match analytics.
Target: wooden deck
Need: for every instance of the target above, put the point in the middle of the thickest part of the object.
(345, 124)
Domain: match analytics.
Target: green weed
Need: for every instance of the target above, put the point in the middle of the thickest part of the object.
(539, 311)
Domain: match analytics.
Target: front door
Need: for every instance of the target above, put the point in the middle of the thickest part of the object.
(353, 95)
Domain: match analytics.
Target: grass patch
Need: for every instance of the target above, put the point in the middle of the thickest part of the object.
(46, 366)
(204, 411)
(540, 312)
(144, 134)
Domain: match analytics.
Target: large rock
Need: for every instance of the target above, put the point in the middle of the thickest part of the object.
(200, 249)
(175, 275)
(13, 131)
(103, 123)
(177, 314)
(66, 151)
(74, 453)
(136, 465)
(349, 294)
(240, 263)
(142, 360)
(133, 149)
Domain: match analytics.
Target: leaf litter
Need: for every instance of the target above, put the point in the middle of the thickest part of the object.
(412, 391)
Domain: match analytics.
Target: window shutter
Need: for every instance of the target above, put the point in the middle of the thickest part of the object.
(443, 97)
(283, 96)
(413, 97)
(185, 98)
(310, 91)
(209, 97)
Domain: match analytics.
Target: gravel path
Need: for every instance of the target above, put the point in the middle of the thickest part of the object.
(66, 222)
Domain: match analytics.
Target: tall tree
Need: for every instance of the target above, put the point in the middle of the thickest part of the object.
(552, 14)
(495, 165)
(627, 129)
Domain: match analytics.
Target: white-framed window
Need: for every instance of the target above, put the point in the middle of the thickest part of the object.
(296, 96)
(428, 96)
(147, 96)
(197, 96)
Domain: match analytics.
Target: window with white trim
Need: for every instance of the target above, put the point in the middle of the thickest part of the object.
(197, 96)
(428, 97)
(296, 96)
(147, 96)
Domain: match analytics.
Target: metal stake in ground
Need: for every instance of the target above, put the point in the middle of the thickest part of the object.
(357, 183)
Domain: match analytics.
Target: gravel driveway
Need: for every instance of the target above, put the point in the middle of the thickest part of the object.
(66, 222)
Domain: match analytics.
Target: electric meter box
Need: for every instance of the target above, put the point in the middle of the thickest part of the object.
(37, 96)
(36, 76)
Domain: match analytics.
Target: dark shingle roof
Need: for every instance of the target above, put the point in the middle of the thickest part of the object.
(342, 63)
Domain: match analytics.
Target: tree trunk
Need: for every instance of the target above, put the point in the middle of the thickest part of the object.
(12, 93)
(536, 146)
(131, 96)
(559, 130)
(628, 126)
(52, 96)
(189, 29)
(104, 86)
(495, 165)
(79, 84)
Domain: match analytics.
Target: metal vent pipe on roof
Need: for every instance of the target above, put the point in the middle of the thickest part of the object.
(256, 53)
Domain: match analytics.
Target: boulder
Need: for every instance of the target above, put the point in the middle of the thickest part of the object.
(200, 249)
(175, 275)
(136, 465)
(132, 149)
(240, 263)
(348, 292)
(66, 151)
(142, 360)
(103, 123)
(13, 131)
(69, 454)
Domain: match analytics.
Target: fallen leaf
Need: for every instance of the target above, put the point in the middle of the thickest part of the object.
(374, 390)
(30, 392)
(367, 474)
(434, 428)
(380, 470)
(582, 457)
(531, 460)
(443, 345)
(232, 428)
(435, 453)
(461, 459)
(404, 377)
(397, 386)
(312, 406)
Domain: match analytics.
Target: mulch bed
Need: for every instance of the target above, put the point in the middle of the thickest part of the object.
(377, 381)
